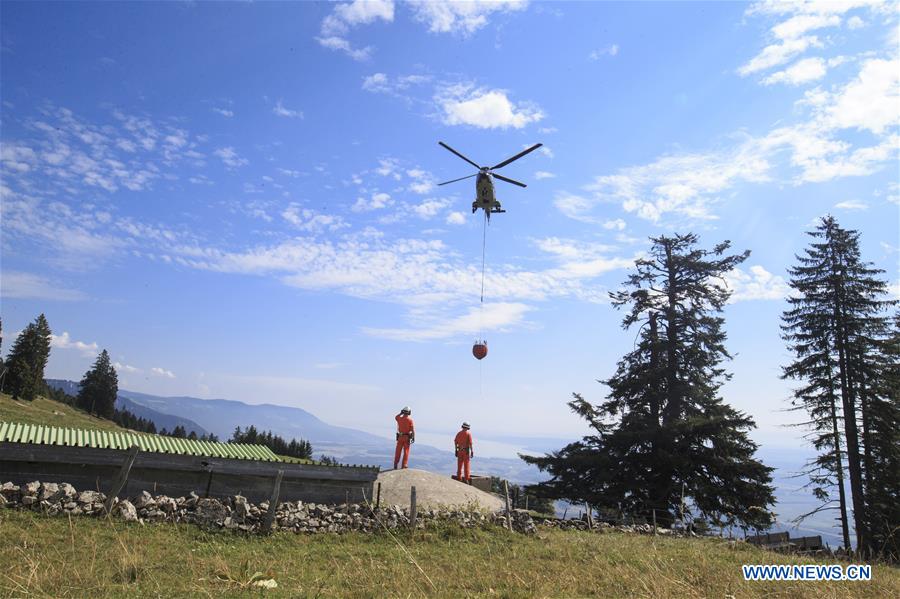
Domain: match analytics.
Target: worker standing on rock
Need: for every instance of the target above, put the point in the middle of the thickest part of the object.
(465, 450)
(406, 434)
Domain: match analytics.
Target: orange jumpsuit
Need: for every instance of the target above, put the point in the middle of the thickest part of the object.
(464, 450)
(405, 430)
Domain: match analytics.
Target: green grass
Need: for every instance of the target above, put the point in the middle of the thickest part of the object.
(83, 557)
(46, 411)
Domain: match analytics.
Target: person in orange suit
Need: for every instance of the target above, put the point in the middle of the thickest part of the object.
(465, 451)
(406, 435)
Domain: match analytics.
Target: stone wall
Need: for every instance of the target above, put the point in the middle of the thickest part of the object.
(237, 513)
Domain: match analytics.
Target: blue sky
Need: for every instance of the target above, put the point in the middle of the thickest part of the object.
(238, 200)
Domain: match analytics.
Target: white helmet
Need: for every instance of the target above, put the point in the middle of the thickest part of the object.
(406, 410)
(466, 426)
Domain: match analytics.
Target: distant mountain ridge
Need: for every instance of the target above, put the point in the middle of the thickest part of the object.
(350, 446)
(161, 420)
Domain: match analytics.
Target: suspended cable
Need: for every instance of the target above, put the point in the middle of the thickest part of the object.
(483, 246)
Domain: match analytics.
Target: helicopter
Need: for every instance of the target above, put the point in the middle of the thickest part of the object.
(484, 184)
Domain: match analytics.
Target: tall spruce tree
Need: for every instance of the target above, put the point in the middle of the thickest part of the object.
(836, 327)
(664, 428)
(99, 388)
(27, 360)
(883, 451)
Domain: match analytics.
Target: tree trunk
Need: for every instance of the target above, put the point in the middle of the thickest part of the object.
(848, 402)
(845, 529)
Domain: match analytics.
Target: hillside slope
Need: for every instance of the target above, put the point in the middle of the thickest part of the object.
(46, 411)
(113, 559)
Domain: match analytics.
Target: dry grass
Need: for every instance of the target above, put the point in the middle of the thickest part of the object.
(83, 557)
(46, 411)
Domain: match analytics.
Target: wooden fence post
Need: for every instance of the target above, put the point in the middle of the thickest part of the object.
(273, 503)
(412, 507)
(378, 497)
(508, 515)
(654, 520)
(590, 519)
(122, 477)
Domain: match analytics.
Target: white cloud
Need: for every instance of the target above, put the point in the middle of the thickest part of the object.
(778, 54)
(464, 104)
(224, 112)
(376, 83)
(305, 219)
(350, 14)
(230, 157)
(608, 51)
(852, 205)
(65, 342)
(339, 43)
(758, 284)
(376, 201)
(163, 372)
(381, 83)
(461, 17)
(803, 71)
(358, 12)
(456, 218)
(25, 285)
(870, 101)
(492, 317)
(281, 110)
(682, 184)
(815, 149)
(855, 22)
(548, 130)
(543, 175)
(617, 224)
(798, 25)
(430, 208)
(422, 181)
(126, 368)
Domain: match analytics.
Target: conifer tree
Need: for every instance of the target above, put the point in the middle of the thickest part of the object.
(27, 360)
(883, 451)
(99, 388)
(664, 428)
(836, 328)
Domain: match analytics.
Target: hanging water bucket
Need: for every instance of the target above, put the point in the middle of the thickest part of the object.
(479, 350)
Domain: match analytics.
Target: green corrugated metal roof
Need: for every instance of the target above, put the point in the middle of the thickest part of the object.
(14, 432)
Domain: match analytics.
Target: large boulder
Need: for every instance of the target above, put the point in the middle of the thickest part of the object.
(126, 510)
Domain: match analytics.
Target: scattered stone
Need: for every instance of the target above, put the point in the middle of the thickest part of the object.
(126, 510)
(48, 490)
(10, 491)
(86, 497)
(145, 501)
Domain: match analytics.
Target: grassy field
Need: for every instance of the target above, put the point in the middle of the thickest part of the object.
(45, 411)
(82, 557)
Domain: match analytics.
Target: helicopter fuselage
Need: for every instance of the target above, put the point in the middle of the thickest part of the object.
(484, 195)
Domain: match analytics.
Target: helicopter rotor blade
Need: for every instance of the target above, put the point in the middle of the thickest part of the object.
(517, 156)
(508, 180)
(458, 154)
(455, 180)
